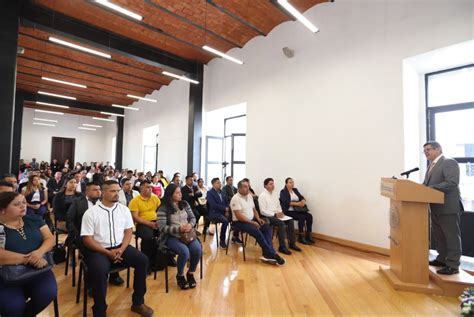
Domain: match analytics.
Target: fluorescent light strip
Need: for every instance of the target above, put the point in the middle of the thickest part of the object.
(84, 128)
(141, 98)
(45, 120)
(51, 105)
(45, 124)
(117, 8)
(52, 112)
(125, 107)
(180, 77)
(78, 47)
(230, 58)
(103, 119)
(63, 82)
(92, 125)
(285, 4)
(56, 95)
(112, 114)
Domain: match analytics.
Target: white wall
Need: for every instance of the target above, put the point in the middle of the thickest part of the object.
(171, 114)
(90, 145)
(332, 116)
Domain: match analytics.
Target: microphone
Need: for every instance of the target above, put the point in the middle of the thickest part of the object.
(407, 173)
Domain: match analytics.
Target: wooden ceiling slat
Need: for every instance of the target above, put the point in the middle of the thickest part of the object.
(97, 92)
(303, 5)
(38, 40)
(60, 73)
(81, 112)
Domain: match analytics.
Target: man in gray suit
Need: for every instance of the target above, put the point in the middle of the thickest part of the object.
(443, 175)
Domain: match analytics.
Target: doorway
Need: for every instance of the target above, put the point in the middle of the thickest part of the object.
(62, 149)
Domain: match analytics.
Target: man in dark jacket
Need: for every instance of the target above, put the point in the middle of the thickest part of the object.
(229, 188)
(191, 193)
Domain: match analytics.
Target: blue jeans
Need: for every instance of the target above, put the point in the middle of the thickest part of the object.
(262, 235)
(41, 290)
(185, 252)
(225, 222)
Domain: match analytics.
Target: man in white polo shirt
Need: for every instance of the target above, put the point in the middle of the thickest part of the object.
(245, 218)
(106, 232)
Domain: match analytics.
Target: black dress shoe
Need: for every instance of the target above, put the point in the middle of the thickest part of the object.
(302, 239)
(295, 247)
(117, 280)
(437, 263)
(447, 270)
(284, 250)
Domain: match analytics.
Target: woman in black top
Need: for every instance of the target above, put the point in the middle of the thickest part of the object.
(63, 200)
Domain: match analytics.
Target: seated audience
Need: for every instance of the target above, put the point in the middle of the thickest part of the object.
(63, 200)
(270, 209)
(10, 178)
(55, 166)
(191, 194)
(245, 218)
(177, 180)
(6, 187)
(176, 222)
(144, 208)
(293, 205)
(126, 194)
(27, 239)
(106, 232)
(54, 185)
(33, 164)
(229, 188)
(164, 181)
(156, 186)
(36, 196)
(80, 182)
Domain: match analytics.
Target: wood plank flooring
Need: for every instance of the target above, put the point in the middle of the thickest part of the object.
(323, 280)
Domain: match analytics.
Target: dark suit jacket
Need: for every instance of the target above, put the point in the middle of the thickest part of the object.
(229, 191)
(192, 200)
(74, 218)
(216, 205)
(445, 177)
(60, 206)
(285, 198)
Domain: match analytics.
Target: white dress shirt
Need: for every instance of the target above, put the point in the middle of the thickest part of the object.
(269, 203)
(244, 204)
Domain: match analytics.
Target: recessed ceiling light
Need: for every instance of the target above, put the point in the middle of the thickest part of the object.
(45, 120)
(84, 128)
(63, 82)
(51, 112)
(112, 114)
(103, 119)
(180, 77)
(79, 47)
(219, 53)
(92, 125)
(117, 8)
(285, 4)
(44, 124)
(56, 95)
(142, 98)
(125, 107)
(51, 104)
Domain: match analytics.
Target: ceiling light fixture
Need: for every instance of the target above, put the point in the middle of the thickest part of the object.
(92, 125)
(180, 77)
(56, 95)
(103, 119)
(47, 111)
(125, 107)
(288, 7)
(79, 47)
(51, 105)
(45, 120)
(112, 114)
(219, 53)
(45, 124)
(117, 8)
(84, 128)
(142, 98)
(63, 82)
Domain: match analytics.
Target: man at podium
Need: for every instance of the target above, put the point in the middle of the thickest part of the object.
(443, 175)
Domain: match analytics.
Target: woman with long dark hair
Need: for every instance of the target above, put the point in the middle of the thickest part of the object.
(36, 196)
(176, 223)
(63, 200)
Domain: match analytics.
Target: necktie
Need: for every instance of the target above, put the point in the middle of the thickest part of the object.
(430, 168)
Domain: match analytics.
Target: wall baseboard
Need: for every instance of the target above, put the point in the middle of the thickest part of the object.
(353, 244)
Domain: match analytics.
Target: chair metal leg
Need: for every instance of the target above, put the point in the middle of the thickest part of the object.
(68, 254)
(128, 277)
(228, 241)
(200, 264)
(166, 274)
(244, 242)
(217, 237)
(73, 267)
(79, 282)
(56, 307)
(84, 307)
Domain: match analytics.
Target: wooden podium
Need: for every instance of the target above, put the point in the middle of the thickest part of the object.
(409, 245)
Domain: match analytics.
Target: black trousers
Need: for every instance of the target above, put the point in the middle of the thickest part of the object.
(99, 266)
(305, 219)
(274, 221)
(146, 234)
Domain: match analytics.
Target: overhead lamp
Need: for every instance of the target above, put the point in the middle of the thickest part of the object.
(92, 125)
(142, 98)
(63, 82)
(84, 128)
(117, 8)
(125, 107)
(51, 112)
(292, 10)
(45, 120)
(219, 53)
(51, 105)
(78, 47)
(56, 95)
(103, 119)
(180, 77)
(112, 114)
(44, 124)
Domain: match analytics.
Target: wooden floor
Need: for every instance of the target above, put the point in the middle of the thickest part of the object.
(323, 280)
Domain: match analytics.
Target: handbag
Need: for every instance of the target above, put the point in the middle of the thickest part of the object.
(188, 237)
(301, 209)
(17, 275)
